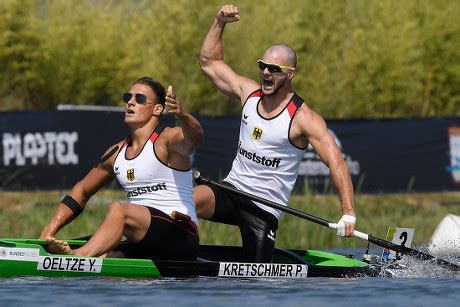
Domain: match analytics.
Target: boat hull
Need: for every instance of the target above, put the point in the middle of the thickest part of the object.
(29, 257)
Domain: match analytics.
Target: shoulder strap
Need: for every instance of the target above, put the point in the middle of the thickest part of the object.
(157, 131)
(256, 93)
(125, 143)
(293, 105)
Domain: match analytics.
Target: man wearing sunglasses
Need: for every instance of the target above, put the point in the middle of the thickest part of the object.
(153, 166)
(276, 129)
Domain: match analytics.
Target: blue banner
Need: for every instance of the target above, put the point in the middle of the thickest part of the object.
(55, 149)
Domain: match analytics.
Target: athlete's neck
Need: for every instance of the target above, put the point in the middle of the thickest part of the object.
(139, 135)
(275, 103)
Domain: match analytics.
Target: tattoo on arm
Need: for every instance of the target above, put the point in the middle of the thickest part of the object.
(107, 156)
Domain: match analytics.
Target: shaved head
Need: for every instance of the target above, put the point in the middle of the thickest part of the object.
(284, 51)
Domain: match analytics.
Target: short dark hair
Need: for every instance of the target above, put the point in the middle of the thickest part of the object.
(156, 87)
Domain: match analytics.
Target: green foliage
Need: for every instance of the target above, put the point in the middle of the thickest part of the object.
(18, 57)
(357, 59)
(24, 214)
(375, 213)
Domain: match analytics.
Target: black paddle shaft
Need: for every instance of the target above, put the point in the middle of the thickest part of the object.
(377, 241)
(411, 252)
(311, 218)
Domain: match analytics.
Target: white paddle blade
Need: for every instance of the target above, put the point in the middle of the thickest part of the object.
(445, 240)
(400, 236)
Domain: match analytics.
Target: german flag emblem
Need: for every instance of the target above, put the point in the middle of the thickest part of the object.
(257, 133)
(130, 174)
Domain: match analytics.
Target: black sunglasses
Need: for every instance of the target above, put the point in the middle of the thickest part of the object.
(140, 98)
(272, 68)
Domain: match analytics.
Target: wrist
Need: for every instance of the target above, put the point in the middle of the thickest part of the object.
(348, 219)
(219, 22)
(182, 116)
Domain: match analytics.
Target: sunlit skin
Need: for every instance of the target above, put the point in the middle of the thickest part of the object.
(138, 115)
(273, 83)
(172, 147)
(308, 127)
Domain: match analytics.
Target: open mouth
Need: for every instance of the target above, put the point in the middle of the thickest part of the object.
(267, 83)
(129, 111)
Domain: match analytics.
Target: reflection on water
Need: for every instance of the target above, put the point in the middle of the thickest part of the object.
(230, 292)
(419, 284)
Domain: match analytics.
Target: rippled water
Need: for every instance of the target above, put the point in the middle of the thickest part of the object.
(231, 292)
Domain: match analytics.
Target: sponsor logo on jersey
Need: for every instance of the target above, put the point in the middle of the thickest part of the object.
(270, 162)
(235, 269)
(257, 133)
(244, 119)
(70, 264)
(148, 189)
(130, 174)
(271, 235)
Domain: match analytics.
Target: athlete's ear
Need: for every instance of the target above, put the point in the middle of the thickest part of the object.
(157, 109)
(291, 73)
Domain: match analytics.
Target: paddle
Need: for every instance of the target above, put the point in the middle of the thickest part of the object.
(377, 241)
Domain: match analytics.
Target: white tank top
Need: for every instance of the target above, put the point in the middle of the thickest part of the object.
(149, 182)
(266, 162)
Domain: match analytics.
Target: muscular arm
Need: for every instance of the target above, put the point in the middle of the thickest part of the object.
(82, 191)
(330, 154)
(212, 58)
(314, 128)
(186, 138)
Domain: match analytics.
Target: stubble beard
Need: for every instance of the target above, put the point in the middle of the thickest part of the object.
(277, 86)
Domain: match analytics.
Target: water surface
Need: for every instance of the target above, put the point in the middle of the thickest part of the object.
(230, 292)
(420, 284)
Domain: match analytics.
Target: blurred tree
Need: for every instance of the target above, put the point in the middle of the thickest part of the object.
(20, 85)
(440, 46)
(357, 59)
(90, 56)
